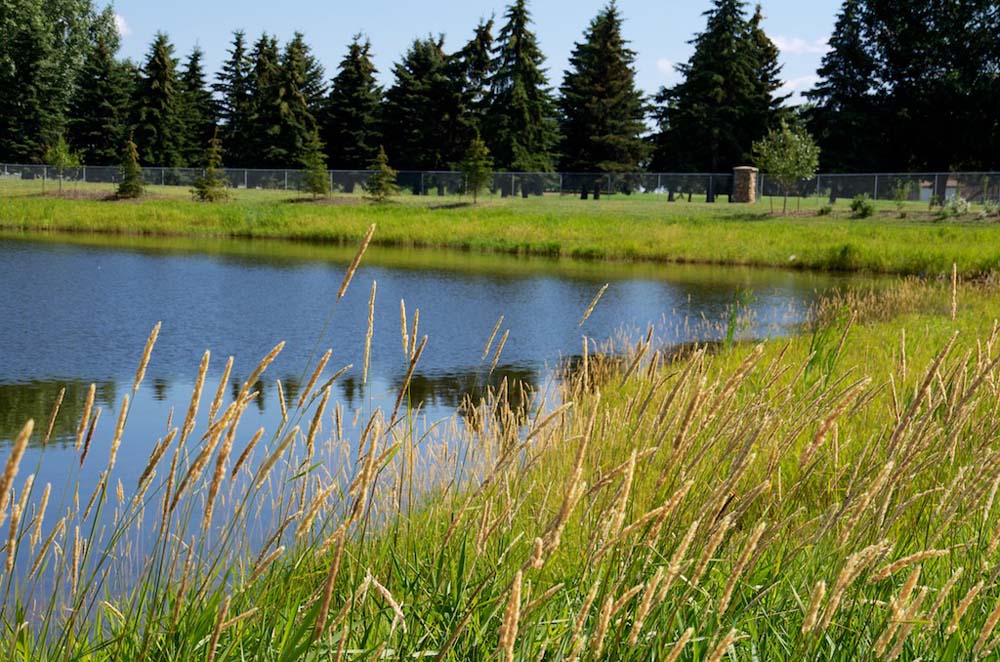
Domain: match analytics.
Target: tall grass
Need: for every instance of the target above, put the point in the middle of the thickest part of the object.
(625, 228)
(747, 502)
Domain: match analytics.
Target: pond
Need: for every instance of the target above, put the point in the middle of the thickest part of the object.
(78, 310)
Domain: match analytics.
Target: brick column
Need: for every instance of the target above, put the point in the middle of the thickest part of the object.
(745, 184)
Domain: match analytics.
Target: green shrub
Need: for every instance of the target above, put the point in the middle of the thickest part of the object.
(862, 206)
(956, 206)
(825, 210)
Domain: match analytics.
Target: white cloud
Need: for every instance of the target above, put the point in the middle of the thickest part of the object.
(668, 73)
(796, 86)
(123, 29)
(800, 46)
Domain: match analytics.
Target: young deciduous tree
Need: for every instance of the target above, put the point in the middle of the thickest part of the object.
(788, 154)
(132, 185)
(476, 167)
(60, 157)
(601, 109)
(382, 182)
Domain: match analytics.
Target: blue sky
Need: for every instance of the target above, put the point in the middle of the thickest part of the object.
(659, 31)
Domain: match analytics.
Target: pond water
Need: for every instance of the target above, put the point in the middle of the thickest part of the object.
(78, 310)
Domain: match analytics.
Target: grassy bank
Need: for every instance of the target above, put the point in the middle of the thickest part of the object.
(829, 496)
(619, 228)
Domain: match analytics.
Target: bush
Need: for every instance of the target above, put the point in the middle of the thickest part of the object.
(825, 210)
(956, 206)
(991, 208)
(862, 206)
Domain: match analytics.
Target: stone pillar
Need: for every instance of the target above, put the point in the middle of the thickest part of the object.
(745, 184)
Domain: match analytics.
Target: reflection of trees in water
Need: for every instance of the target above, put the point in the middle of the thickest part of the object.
(464, 391)
(35, 399)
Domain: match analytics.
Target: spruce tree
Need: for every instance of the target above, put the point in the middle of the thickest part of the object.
(265, 105)
(158, 127)
(767, 107)
(382, 182)
(99, 109)
(468, 71)
(843, 107)
(297, 125)
(476, 167)
(315, 176)
(600, 107)
(198, 124)
(414, 124)
(132, 184)
(709, 120)
(350, 121)
(43, 47)
(520, 126)
(234, 108)
(30, 115)
(211, 185)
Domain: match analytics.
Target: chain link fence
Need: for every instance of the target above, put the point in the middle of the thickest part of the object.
(900, 187)
(926, 187)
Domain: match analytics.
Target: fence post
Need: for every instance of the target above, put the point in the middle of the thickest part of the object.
(286, 180)
(423, 191)
(245, 185)
(331, 180)
(560, 183)
(876, 188)
(711, 189)
(84, 174)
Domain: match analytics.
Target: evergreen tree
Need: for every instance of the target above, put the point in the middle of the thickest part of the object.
(601, 110)
(767, 107)
(476, 167)
(211, 185)
(158, 102)
(43, 46)
(310, 74)
(30, 117)
(520, 123)
(468, 70)
(296, 125)
(99, 109)
(382, 182)
(132, 184)
(350, 119)
(198, 123)
(234, 108)
(265, 103)
(844, 108)
(414, 123)
(708, 121)
(315, 176)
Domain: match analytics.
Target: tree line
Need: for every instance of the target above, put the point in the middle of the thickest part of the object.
(906, 85)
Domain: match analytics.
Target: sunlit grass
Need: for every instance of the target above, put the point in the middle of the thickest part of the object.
(828, 496)
(616, 227)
